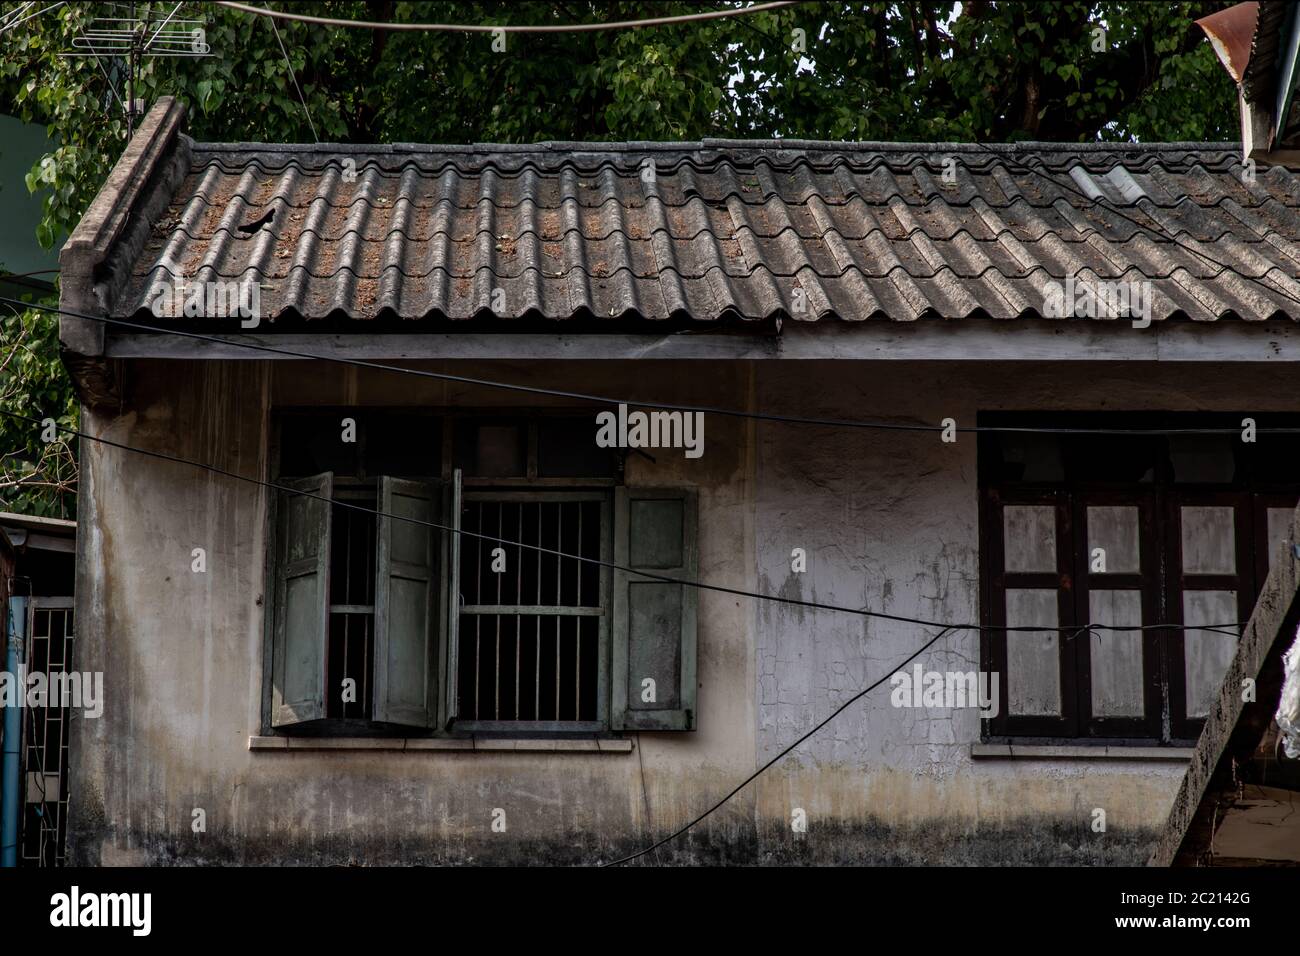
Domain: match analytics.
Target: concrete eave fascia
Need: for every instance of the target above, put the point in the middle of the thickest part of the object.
(83, 258)
(965, 340)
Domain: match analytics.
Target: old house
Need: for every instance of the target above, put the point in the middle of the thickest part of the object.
(366, 586)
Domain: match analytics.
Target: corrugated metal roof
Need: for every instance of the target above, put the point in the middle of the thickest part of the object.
(724, 230)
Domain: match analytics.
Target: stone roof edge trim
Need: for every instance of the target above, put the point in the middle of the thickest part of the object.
(107, 220)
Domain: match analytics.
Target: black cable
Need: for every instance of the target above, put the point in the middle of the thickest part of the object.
(606, 400)
(1159, 233)
(511, 28)
(753, 776)
(719, 588)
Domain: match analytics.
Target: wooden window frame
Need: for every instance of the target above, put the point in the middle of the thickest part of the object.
(1160, 580)
(530, 486)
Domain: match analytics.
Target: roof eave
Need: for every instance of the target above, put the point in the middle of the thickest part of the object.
(139, 186)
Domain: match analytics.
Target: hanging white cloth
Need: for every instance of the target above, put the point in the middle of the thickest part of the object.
(1288, 710)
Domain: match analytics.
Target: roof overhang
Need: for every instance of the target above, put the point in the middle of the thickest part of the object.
(31, 532)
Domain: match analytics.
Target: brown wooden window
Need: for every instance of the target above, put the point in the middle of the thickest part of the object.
(1171, 533)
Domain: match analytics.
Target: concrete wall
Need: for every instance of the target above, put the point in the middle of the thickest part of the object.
(888, 520)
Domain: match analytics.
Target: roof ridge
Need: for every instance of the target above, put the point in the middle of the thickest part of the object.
(708, 144)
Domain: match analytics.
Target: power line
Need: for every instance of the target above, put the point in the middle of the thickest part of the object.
(1159, 233)
(294, 76)
(701, 585)
(506, 28)
(754, 776)
(667, 406)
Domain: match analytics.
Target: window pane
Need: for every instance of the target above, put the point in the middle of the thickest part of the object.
(311, 444)
(1115, 531)
(499, 451)
(1209, 541)
(521, 665)
(566, 448)
(1033, 657)
(1116, 655)
(1279, 524)
(405, 445)
(1206, 654)
(1029, 537)
(1203, 459)
(1026, 457)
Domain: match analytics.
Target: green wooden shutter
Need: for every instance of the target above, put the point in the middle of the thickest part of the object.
(302, 577)
(450, 619)
(654, 621)
(407, 595)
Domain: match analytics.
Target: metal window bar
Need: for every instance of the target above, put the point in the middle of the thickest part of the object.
(43, 832)
(537, 663)
(352, 604)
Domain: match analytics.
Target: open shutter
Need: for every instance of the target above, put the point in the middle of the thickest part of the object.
(450, 619)
(302, 584)
(407, 595)
(653, 686)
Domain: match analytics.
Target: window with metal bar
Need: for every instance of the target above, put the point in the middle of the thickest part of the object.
(352, 605)
(517, 639)
(533, 626)
(45, 815)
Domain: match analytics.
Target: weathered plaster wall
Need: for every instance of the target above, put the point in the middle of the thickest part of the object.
(888, 520)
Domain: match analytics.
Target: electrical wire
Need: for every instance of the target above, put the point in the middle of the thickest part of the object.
(294, 76)
(641, 573)
(1159, 234)
(490, 28)
(26, 275)
(667, 406)
(755, 775)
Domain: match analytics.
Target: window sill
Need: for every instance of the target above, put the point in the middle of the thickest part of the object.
(415, 744)
(1068, 752)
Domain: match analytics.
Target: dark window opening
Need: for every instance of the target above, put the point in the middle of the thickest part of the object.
(384, 443)
(348, 671)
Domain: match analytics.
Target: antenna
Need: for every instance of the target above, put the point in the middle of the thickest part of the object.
(131, 38)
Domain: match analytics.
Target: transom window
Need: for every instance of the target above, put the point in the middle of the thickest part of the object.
(1174, 534)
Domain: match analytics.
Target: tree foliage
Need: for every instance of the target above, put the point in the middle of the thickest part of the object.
(913, 71)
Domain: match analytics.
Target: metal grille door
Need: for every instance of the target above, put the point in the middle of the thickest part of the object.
(44, 826)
